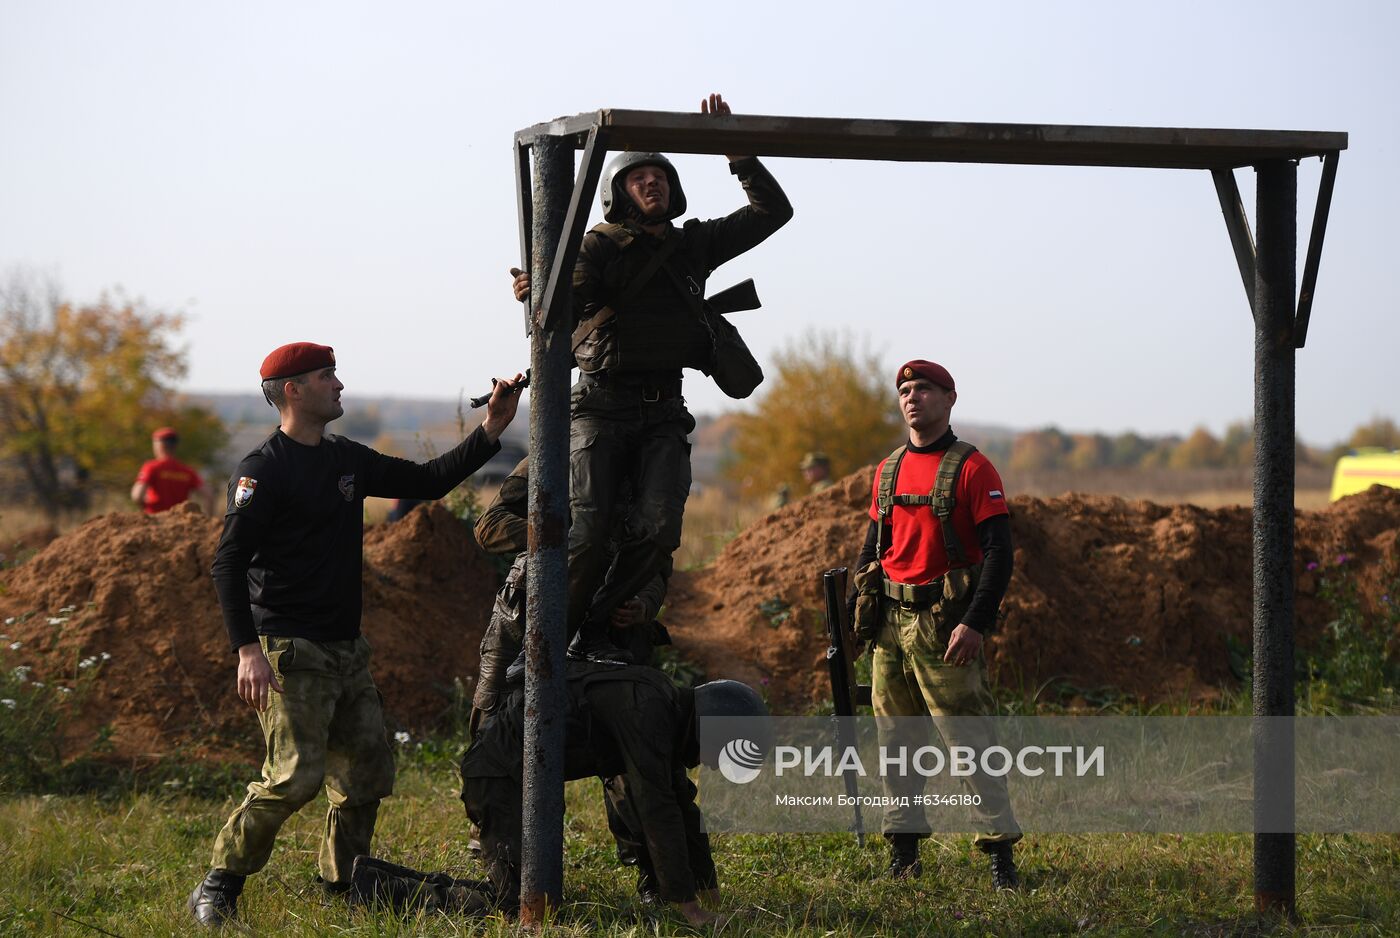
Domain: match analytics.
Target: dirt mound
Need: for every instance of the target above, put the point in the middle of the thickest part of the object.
(138, 588)
(1106, 593)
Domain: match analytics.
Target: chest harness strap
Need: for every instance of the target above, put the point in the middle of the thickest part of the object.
(942, 499)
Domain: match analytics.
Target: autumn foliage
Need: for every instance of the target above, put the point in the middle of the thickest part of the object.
(81, 389)
(820, 395)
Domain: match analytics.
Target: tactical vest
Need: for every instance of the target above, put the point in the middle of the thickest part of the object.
(942, 499)
(655, 320)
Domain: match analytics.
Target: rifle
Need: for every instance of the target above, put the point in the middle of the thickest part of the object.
(481, 401)
(846, 694)
(741, 296)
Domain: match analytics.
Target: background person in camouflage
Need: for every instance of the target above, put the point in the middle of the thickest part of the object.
(938, 593)
(636, 285)
(816, 469)
(288, 573)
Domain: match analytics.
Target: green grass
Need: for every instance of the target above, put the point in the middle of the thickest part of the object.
(87, 865)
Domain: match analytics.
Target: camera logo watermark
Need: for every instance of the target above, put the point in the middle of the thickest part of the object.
(740, 761)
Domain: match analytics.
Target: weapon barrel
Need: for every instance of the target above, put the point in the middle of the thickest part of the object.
(842, 672)
(742, 295)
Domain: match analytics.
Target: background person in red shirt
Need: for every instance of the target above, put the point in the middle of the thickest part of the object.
(164, 482)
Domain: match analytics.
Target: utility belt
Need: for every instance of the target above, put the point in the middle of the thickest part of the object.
(650, 386)
(914, 595)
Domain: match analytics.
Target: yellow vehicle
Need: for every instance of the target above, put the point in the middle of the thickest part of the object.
(1364, 468)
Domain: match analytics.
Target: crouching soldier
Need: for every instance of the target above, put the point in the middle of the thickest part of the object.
(503, 529)
(637, 729)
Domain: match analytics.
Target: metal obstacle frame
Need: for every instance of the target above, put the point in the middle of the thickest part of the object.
(554, 203)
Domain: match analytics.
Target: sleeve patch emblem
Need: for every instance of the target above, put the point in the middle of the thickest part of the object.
(994, 493)
(244, 493)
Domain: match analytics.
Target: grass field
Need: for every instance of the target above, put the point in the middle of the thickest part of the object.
(121, 863)
(124, 865)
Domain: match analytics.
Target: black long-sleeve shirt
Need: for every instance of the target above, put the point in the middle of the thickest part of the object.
(290, 557)
(993, 536)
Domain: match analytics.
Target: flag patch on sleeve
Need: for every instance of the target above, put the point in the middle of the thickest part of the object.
(994, 493)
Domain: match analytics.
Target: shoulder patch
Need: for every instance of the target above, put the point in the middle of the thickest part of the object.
(244, 493)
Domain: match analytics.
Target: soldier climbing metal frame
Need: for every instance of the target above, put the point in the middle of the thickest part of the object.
(554, 204)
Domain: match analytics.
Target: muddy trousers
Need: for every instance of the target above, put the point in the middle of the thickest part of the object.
(327, 726)
(625, 823)
(619, 441)
(910, 685)
(494, 805)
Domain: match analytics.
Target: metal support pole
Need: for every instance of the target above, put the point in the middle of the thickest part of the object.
(1275, 843)
(542, 853)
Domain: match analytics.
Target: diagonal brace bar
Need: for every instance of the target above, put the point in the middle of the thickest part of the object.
(561, 274)
(1319, 230)
(1237, 223)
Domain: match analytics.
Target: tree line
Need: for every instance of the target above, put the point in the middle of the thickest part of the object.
(825, 393)
(82, 385)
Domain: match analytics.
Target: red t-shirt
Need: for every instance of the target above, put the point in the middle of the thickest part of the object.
(915, 552)
(168, 483)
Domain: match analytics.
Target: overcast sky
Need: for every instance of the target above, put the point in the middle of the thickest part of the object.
(341, 173)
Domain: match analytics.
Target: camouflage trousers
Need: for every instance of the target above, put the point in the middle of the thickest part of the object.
(909, 679)
(326, 726)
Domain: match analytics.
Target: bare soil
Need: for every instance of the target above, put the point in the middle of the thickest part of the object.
(141, 591)
(1107, 593)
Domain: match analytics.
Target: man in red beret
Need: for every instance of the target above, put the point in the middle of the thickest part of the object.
(287, 571)
(164, 482)
(930, 578)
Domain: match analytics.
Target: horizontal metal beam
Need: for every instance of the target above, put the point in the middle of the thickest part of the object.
(940, 141)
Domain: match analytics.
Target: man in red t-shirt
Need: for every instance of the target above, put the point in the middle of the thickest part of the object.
(164, 482)
(933, 612)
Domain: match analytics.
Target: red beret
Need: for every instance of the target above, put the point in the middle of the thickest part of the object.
(297, 359)
(918, 368)
(165, 433)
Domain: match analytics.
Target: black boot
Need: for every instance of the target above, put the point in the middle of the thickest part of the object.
(1004, 875)
(592, 644)
(215, 900)
(904, 857)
